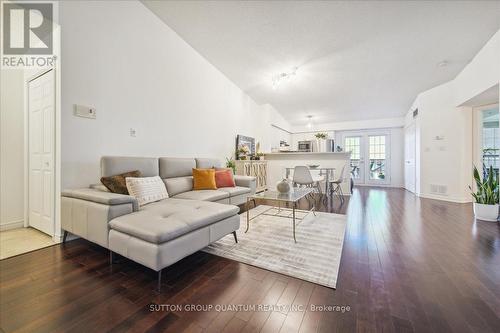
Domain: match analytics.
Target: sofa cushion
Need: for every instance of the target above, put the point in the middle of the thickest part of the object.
(205, 195)
(168, 219)
(224, 178)
(146, 189)
(178, 185)
(117, 183)
(114, 165)
(237, 190)
(207, 163)
(176, 167)
(204, 179)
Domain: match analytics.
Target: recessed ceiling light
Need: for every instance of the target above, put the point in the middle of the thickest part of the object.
(443, 63)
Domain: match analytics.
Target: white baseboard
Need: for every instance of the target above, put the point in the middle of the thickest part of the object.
(379, 185)
(445, 198)
(12, 225)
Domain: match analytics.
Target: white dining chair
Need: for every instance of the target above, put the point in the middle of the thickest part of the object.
(302, 177)
(336, 185)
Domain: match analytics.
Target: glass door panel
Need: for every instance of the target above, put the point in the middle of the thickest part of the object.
(376, 156)
(353, 144)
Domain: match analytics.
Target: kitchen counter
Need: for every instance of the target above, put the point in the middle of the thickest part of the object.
(307, 153)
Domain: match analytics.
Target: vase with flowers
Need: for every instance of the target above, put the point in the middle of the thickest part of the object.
(321, 138)
(242, 152)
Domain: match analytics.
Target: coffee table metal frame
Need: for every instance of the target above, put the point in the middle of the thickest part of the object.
(298, 193)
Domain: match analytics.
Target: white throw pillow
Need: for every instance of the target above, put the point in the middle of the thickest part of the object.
(146, 189)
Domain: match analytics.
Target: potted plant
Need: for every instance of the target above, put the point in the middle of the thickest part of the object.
(230, 163)
(486, 195)
(259, 156)
(321, 137)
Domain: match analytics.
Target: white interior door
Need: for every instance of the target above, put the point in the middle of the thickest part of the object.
(41, 108)
(410, 158)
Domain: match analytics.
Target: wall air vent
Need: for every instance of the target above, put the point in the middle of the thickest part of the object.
(415, 113)
(439, 189)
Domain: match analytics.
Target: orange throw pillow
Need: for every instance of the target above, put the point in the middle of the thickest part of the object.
(204, 179)
(224, 178)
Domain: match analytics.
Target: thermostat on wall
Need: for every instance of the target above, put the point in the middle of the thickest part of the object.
(84, 111)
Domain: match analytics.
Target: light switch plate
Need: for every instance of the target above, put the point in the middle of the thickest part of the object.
(84, 111)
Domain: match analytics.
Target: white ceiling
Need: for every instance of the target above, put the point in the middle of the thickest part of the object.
(357, 60)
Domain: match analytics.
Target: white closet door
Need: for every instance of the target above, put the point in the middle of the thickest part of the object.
(410, 157)
(41, 152)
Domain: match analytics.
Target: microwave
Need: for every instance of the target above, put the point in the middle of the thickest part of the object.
(305, 146)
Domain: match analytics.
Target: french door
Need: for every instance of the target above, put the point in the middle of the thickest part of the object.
(370, 158)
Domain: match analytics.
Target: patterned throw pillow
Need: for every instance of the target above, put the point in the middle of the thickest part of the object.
(147, 189)
(117, 184)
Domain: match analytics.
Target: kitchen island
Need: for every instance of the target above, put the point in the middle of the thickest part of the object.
(277, 163)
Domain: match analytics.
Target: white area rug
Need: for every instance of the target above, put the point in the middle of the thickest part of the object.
(269, 244)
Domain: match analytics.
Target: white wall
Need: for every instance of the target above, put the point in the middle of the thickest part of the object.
(444, 126)
(309, 136)
(138, 73)
(480, 74)
(12, 148)
(445, 144)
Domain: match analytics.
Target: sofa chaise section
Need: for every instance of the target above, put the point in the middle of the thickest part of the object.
(169, 230)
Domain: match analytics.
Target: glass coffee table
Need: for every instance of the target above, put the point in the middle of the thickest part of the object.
(292, 198)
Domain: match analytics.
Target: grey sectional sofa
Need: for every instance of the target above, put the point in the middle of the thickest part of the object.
(158, 234)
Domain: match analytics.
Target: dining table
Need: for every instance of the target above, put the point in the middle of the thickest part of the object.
(327, 171)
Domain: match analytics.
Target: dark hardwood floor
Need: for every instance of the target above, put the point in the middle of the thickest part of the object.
(408, 264)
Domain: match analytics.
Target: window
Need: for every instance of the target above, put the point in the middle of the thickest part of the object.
(377, 147)
(353, 145)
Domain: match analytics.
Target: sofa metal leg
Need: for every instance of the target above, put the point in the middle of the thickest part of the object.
(65, 235)
(159, 280)
(111, 258)
(235, 237)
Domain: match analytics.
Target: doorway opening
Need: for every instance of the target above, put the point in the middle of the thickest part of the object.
(29, 151)
(487, 137)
